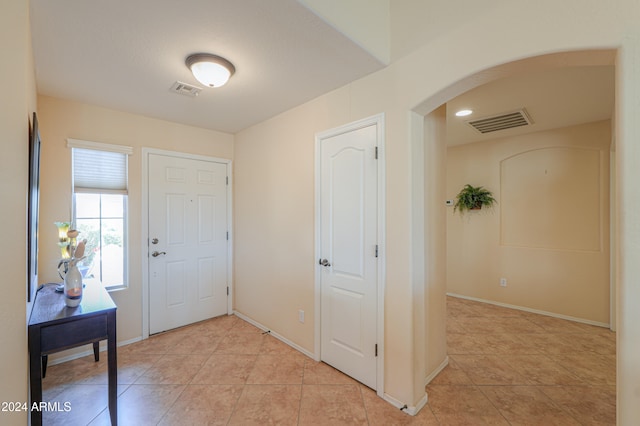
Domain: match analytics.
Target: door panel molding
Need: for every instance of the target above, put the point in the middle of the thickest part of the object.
(378, 121)
(144, 246)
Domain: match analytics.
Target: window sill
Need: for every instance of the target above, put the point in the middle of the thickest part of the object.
(117, 288)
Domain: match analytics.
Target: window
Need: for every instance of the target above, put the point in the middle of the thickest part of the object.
(100, 209)
(101, 220)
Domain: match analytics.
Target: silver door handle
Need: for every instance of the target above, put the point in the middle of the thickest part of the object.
(324, 262)
(156, 254)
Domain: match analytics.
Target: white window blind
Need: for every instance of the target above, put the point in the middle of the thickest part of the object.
(99, 168)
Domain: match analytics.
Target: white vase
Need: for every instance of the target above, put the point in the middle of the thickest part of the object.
(73, 286)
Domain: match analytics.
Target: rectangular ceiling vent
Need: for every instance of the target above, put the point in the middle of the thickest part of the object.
(185, 89)
(502, 121)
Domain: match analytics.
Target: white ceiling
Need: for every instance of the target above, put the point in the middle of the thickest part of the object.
(126, 55)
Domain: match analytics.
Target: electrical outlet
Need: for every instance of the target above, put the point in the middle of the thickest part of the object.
(301, 316)
(503, 282)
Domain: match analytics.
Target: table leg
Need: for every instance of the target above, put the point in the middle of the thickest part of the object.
(35, 374)
(113, 367)
(96, 351)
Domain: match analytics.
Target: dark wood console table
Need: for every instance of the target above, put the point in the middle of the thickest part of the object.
(54, 327)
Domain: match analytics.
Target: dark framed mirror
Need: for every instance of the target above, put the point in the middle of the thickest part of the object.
(34, 207)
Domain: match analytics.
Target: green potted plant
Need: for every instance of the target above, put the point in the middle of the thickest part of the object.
(473, 198)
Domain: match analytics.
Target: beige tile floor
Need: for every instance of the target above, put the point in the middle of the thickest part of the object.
(506, 367)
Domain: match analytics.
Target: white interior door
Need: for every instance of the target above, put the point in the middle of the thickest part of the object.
(187, 241)
(348, 255)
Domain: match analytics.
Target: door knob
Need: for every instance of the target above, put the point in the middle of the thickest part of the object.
(156, 254)
(324, 262)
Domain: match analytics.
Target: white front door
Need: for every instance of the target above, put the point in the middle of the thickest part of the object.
(187, 241)
(348, 253)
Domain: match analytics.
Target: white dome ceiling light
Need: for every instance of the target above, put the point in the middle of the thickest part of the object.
(210, 70)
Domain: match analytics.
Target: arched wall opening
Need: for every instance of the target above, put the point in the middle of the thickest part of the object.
(428, 177)
(547, 238)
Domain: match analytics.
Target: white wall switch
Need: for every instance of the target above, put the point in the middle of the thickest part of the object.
(301, 316)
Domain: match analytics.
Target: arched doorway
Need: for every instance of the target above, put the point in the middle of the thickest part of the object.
(429, 145)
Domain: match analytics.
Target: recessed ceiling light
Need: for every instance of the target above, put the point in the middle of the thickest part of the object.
(464, 113)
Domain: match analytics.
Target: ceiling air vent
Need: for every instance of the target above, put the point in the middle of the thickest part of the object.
(501, 122)
(185, 89)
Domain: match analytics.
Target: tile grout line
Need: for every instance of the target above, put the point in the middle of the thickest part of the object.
(583, 381)
(566, 395)
(364, 404)
(304, 370)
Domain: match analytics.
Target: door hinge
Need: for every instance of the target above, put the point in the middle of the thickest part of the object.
(227, 180)
(376, 250)
(376, 349)
(227, 235)
(376, 152)
(227, 290)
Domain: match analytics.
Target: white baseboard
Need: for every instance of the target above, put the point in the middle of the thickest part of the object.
(130, 341)
(533, 311)
(411, 410)
(103, 348)
(274, 334)
(419, 406)
(437, 371)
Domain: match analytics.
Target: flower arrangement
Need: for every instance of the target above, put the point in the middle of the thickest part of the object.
(71, 250)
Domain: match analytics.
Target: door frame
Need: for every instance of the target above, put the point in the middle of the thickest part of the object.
(377, 120)
(144, 234)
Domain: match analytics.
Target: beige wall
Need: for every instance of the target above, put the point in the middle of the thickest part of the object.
(548, 235)
(440, 68)
(437, 69)
(415, 23)
(18, 103)
(435, 263)
(274, 227)
(627, 164)
(273, 217)
(428, 237)
(59, 120)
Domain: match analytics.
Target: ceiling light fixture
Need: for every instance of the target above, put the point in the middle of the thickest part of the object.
(464, 113)
(210, 70)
